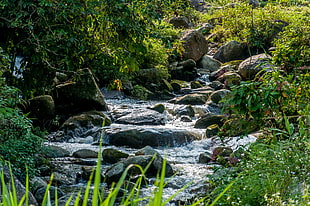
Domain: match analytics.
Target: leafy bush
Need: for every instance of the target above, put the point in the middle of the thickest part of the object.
(18, 143)
(269, 175)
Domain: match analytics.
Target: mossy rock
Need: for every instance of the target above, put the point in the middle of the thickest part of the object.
(234, 64)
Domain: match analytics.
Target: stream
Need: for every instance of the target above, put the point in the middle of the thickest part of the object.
(183, 157)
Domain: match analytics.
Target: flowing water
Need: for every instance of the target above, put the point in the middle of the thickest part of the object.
(183, 158)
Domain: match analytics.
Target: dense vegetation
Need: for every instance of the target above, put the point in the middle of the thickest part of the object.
(116, 38)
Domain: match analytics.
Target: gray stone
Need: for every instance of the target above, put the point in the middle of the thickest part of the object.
(233, 50)
(209, 63)
(79, 95)
(204, 157)
(218, 95)
(192, 99)
(42, 107)
(179, 22)
(55, 151)
(141, 137)
(253, 65)
(111, 155)
(85, 153)
(195, 45)
(208, 120)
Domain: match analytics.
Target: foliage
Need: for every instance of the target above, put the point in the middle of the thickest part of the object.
(273, 174)
(293, 48)
(18, 143)
(271, 99)
(109, 37)
(258, 27)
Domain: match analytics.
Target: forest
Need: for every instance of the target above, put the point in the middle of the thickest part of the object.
(139, 49)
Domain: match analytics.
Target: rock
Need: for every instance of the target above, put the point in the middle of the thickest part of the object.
(140, 117)
(85, 153)
(216, 85)
(140, 137)
(209, 63)
(185, 70)
(205, 157)
(216, 74)
(212, 130)
(233, 50)
(142, 158)
(198, 5)
(233, 65)
(140, 92)
(39, 195)
(158, 161)
(159, 108)
(223, 156)
(253, 65)
(205, 28)
(145, 77)
(186, 110)
(79, 128)
(218, 95)
(208, 120)
(195, 85)
(166, 85)
(19, 187)
(192, 99)
(195, 45)
(42, 107)
(185, 118)
(37, 183)
(112, 156)
(52, 151)
(254, 3)
(237, 127)
(176, 85)
(179, 22)
(80, 95)
(229, 79)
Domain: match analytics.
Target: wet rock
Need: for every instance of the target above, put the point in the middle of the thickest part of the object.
(80, 127)
(205, 157)
(217, 85)
(208, 120)
(42, 107)
(37, 183)
(142, 158)
(233, 50)
(140, 117)
(55, 152)
(185, 70)
(212, 130)
(141, 137)
(166, 85)
(159, 108)
(39, 195)
(20, 188)
(254, 65)
(218, 95)
(177, 86)
(185, 118)
(195, 85)
(80, 95)
(195, 45)
(112, 156)
(157, 162)
(216, 74)
(187, 110)
(179, 22)
(85, 153)
(209, 63)
(61, 179)
(192, 99)
(229, 79)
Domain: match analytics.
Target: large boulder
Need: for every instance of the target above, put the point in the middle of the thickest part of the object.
(253, 65)
(233, 50)
(139, 117)
(111, 155)
(185, 70)
(209, 63)
(42, 107)
(82, 126)
(179, 22)
(138, 137)
(195, 45)
(81, 94)
(218, 95)
(191, 99)
(142, 158)
(208, 120)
